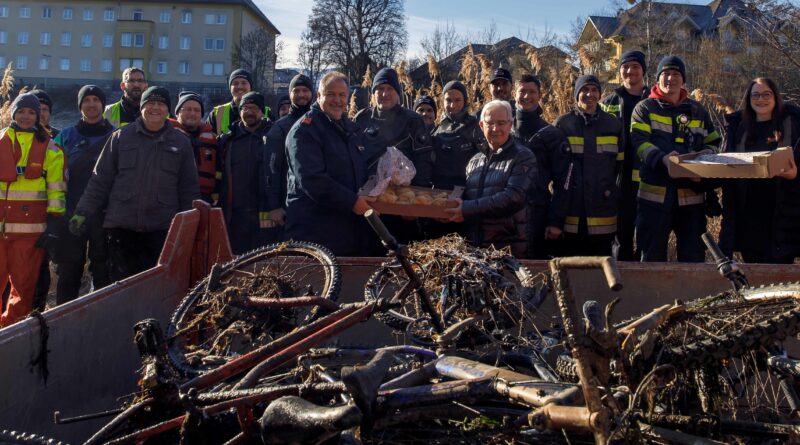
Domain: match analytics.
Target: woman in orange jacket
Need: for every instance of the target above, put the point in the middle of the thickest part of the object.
(32, 201)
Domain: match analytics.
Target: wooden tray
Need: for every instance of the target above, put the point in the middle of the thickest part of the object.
(766, 164)
(414, 210)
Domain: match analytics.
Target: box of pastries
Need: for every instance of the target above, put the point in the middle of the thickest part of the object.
(412, 201)
(761, 164)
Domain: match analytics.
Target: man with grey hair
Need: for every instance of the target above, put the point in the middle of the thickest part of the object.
(498, 180)
(326, 169)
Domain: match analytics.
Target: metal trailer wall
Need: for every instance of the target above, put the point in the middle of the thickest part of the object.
(93, 361)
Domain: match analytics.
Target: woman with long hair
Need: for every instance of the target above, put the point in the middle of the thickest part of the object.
(32, 200)
(761, 217)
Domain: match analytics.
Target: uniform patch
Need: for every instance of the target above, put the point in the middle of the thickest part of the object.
(307, 121)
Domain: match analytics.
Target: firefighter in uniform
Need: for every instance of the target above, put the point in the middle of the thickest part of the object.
(222, 117)
(189, 115)
(425, 106)
(126, 110)
(586, 194)
(620, 103)
(669, 123)
(32, 189)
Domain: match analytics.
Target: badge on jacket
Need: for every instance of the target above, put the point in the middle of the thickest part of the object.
(307, 121)
(174, 149)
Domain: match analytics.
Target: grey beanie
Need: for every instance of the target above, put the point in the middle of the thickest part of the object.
(27, 100)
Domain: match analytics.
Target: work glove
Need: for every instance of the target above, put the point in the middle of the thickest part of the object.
(48, 240)
(77, 225)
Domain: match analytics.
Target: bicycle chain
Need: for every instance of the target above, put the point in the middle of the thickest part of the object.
(20, 438)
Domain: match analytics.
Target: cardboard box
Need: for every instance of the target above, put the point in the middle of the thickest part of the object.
(766, 164)
(414, 210)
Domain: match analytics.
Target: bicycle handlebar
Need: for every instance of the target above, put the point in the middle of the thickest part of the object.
(712, 246)
(380, 229)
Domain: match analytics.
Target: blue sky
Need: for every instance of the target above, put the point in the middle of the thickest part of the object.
(512, 17)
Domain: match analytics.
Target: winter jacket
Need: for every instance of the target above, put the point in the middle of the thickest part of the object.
(326, 169)
(82, 145)
(495, 196)
(544, 140)
(142, 179)
(223, 117)
(785, 222)
(400, 128)
(620, 104)
(657, 129)
(121, 113)
(276, 147)
(589, 186)
(204, 144)
(456, 141)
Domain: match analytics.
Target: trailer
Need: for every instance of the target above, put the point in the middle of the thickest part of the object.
(80, 357)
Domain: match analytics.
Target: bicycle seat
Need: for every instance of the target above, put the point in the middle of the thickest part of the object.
(291, 420)
(363, 382)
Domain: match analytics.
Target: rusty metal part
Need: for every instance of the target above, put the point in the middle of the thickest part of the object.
(414, 377)
(514, 385)
(58, 420)
(283, 303)
(143, 434)
(676, 437)
(706, 425)
(452, 332)
(571, 418)
(122, 417)
(435, 394)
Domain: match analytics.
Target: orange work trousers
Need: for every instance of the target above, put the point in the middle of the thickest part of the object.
(20, 261)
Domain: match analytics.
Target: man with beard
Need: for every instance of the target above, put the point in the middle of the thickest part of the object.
(126, 110)
(501, 88)
(145, 175)
(222, 117)
(82, 145)
(544, 141)
(586, 195)
(251, 217)
(189, 116)
(300, 90)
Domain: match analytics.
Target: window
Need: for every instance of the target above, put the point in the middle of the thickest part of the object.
(108, 15)
(3, 37)
(67, 14)
(183, 67)
(126, 40)
(88, 14)
(64, 65)
(164, 16)
(138, 14)
(86, 65)
(86, 40)
(186, 17)
(161, 67)
(24, 12)
(186, 42)
(138, 40)
(163, 42)
(4, 11)
(105, 65)
(47, 12)
(213, 44)
(22, 38)
(108, 40)
(22, 62)
(45, 38)
(213, 69)
(66, 38)
(44, 63)
(127, 63)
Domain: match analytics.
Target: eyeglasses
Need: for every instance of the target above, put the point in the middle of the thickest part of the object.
(135, 81)
(764, 95)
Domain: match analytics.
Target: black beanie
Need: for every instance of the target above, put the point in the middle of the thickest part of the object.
(284, 100)
(387, 75)
(671, 63)
(185, 96)
(241, 73)
(586, 80)
(253, 97)
(44, 98)
(91, 90)
(156, 94)
(425, 100)
(458, 86)
(26, 100)
(301, 80)
(633, 56)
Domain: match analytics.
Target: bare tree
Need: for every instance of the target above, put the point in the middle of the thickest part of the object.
(256, 52)
(360, 33)
(443, 41)
(310, 54)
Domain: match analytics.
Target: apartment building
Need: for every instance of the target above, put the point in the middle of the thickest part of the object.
(186, 44)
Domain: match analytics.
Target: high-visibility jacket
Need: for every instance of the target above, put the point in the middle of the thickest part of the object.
(616, 105)
(222, 117)
(586, 185)
(205, 154)
(113, 114)
(32, 183)
(657, 129)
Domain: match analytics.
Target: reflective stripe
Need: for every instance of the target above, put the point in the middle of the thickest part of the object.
(645, 149)
(652, 193)
(262, 216)
(571, 224)
(666, 120)
(695, 123)
(713, 136)
(667, 128)
(635, 176)
(607, 144)
(55, 203)
(641, 126)
(576, 143)
(679, 140)
(218, 175)
(60, 186)
(601, 225)
(24, 228)
(690, 197)
(621, 156)
(610, 108)
(23, 195)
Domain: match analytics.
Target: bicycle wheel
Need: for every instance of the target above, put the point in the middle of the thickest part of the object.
(217, 321)
(19, 438)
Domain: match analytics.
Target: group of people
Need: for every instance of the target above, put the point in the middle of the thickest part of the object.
(594, 182)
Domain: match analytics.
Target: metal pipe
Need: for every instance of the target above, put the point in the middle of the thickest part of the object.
(282, 303)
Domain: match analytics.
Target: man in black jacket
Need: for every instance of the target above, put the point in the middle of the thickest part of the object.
(146, 174)
(544, 141)
(498, 180)
(245, 174)
(326, 169)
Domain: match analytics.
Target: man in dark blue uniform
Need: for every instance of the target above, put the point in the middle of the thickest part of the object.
(326, 169)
